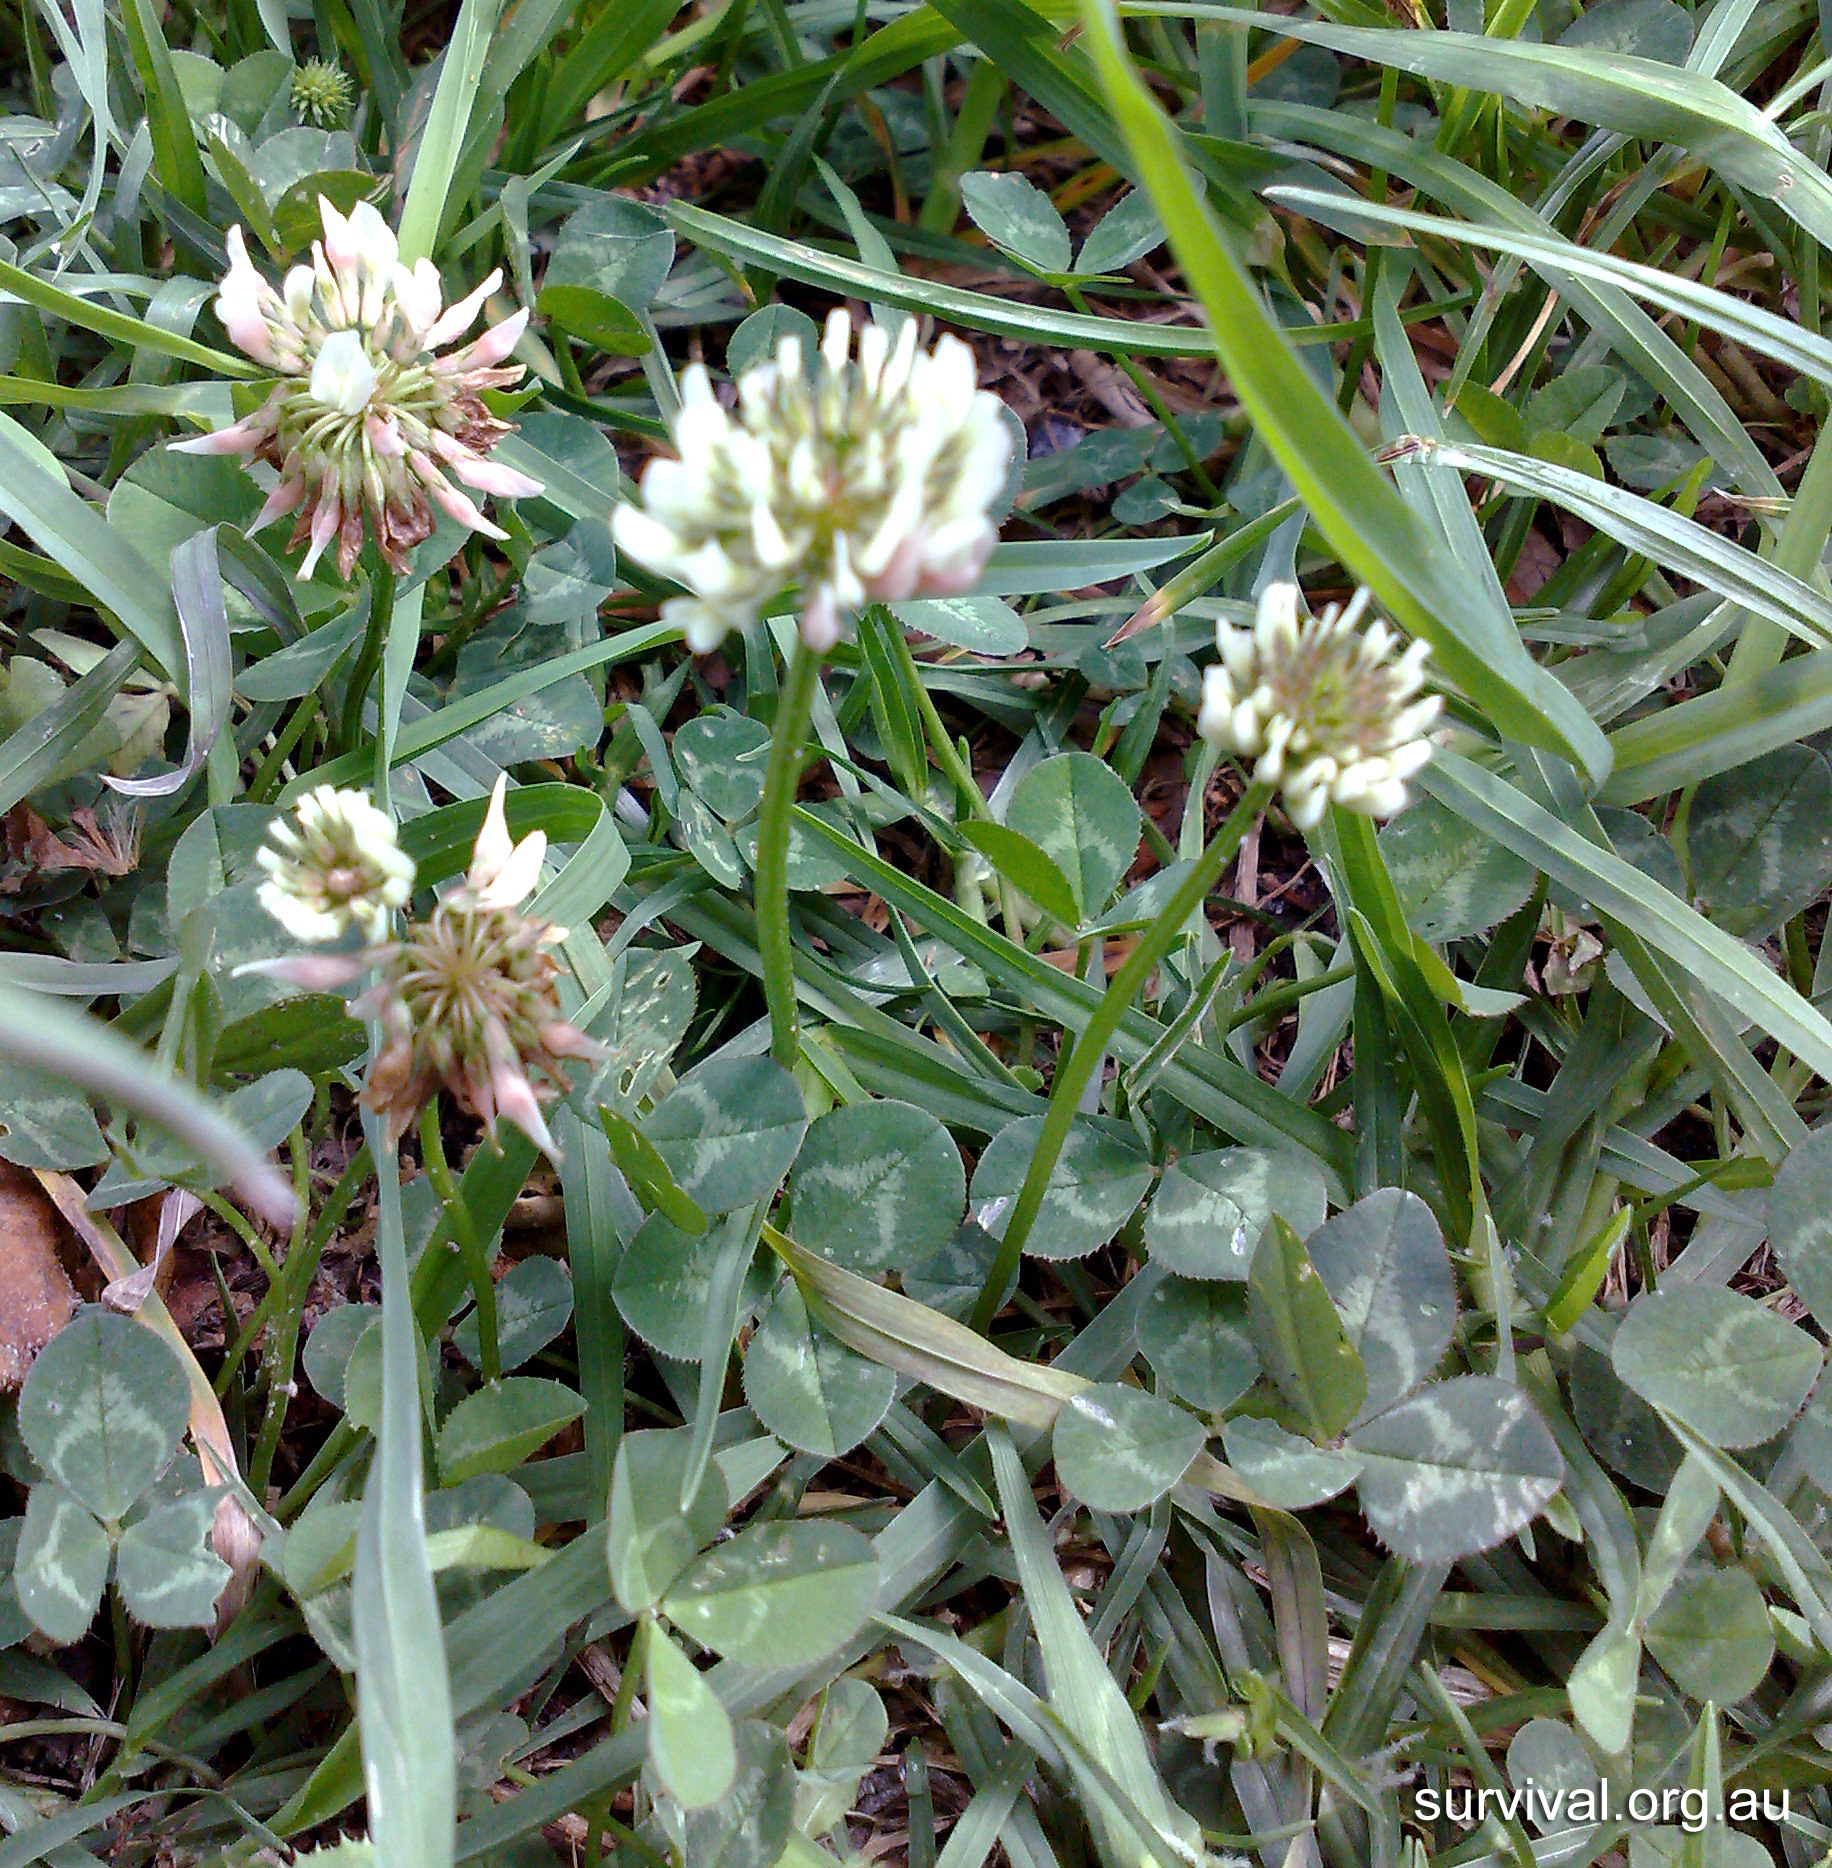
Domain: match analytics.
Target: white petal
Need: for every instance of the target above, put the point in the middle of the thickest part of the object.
(491, 346)
(1214, 720)
(373, 239)
(460, 317)
(316, 972)
(646, 539)
(493, 477)
(702, 626)
(343, 378)
(516, 1102)
(299, 920)
(324, 528)
(836, 339)
(419, 294)
(285, 498)
(493, 847)
(515, 881)
(820, 621)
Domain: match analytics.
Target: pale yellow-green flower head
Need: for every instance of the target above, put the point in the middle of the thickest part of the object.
(1329, 711)
(336, 866)
(321, 93)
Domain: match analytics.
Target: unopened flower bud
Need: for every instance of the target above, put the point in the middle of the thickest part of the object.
(321, 94)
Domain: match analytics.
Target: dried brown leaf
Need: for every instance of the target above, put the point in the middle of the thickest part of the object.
(35, 1294)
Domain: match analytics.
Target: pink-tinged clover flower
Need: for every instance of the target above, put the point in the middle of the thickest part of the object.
(854, 481)
(468, 1000)
(367, 425)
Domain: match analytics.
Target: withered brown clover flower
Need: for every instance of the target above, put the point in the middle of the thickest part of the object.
(468, 999)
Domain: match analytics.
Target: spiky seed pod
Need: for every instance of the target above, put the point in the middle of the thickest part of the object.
(366, 423)
(470, 1001)
(854, 481)
(1330, 713)
(321, 94)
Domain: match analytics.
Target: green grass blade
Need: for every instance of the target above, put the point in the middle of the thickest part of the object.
(1635, 96)
(1719, 963)
(436, 154)
(403, 1689)
(41, 1035)
(1718, 731)
(1681, 546)
(1356, 509)
(175, 159)
(1248, 1108)
(1610, 311)
(33, 754)
(974, 310)
(78, 538)
(136, 333)
(605, 51)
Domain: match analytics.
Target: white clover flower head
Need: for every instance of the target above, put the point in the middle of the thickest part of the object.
(367, 425)
(853, 480)
(467, 999)
(336, 866)
(1328, 710)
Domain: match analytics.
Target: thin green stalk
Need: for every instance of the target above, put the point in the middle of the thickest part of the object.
(1075, 1071)
(285, 742)
(368, 659)
(946, 752)
(794, 708)
(954, 763)
(470, 1247)
(624, 1700)
(1797, 551)
(403, 1687)
(288, 1312)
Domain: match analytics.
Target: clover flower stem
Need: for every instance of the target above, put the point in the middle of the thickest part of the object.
(794, 708)
(305, 716)
(368, 657)
(1084, 1059)
(464, 1236)
(283, 1312)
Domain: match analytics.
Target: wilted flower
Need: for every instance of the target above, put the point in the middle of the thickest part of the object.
(1573, 951)
(321, 93)
(366, 421)
(468, 1000)
(866, 481)
(335, 867)
(1327, 709)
